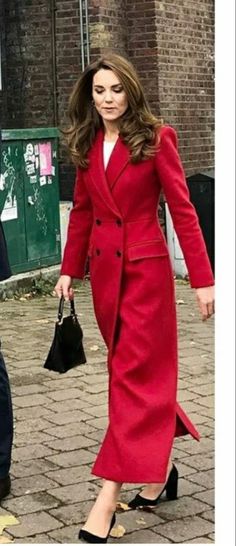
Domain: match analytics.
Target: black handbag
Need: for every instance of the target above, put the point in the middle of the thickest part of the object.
(66, 350)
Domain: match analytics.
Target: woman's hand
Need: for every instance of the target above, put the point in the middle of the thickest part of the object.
(63, 287)
(206, 301)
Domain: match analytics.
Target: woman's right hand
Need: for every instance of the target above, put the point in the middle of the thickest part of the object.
(64, 287)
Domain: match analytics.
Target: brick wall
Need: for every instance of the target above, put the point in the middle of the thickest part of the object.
(185, 37)
(171, 45)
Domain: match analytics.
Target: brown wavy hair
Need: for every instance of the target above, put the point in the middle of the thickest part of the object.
(138, 127)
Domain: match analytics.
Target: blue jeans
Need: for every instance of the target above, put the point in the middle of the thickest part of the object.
(6, 420)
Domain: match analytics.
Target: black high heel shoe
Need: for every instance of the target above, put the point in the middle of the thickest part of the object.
(171, 488)
(89, 537)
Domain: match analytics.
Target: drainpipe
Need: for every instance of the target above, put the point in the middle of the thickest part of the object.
(54, 61)
(84, 33)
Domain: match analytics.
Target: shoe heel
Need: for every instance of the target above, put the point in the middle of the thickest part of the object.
(172, 484)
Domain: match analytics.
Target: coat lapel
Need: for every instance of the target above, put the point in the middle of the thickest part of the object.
(105, 180)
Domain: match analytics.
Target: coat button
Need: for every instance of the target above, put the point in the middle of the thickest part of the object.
(118, 221)
(98, 222)
(118, 253)
(98, 252)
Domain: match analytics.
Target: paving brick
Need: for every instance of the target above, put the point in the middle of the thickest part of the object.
(37, 523)
(98, 411)
(75, 493)
(200, 540)
(31, 425)
(72, 458)
(140, 537)
(66, 417)
(31, 484)
(32, 413)
(182, 507)
(205, 478)
(186, 528)
(70, 444)
(202, 461)
(30, 401)
(37, 539)
(72, 475)
(31, 467)
(206, 496)
(68, 405)
(31, 438)
(74, 513)
(35, 502)
(100, 422)
(203, 390)
(209, 515)
(31, 452)
(66, 535)
(65, 394)
(72, 429)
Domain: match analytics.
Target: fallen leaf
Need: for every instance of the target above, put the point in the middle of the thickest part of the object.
(122, 507)
(94, 348)
(117, 532)
(180, 302)
(5, 540)
(7, 521)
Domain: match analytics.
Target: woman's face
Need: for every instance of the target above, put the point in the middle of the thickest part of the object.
(109, 95)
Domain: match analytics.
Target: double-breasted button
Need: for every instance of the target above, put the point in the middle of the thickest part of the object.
(98, 252)
(98, 222)
(118, 253)
(118, 221)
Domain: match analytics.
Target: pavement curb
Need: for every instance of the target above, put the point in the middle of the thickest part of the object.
(25, 282)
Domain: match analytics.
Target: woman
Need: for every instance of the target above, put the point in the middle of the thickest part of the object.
(124, 156)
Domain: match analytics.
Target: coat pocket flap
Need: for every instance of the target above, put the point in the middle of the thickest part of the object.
(150, 249)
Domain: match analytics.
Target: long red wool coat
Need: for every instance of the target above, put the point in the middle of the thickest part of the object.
(114, 222)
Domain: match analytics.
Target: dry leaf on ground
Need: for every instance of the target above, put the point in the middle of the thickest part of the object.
(94, 348)
(117, 532)
(122, 507)
(5, 540)
(7, 521)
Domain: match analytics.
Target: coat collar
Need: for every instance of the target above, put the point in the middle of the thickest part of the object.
(106, 180)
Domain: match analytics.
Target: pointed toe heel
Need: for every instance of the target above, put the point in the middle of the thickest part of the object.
(86, 536)
(171, 488)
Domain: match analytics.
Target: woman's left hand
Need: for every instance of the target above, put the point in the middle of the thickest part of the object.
(206, 301)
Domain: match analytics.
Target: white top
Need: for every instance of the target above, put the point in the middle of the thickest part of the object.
(107, 150)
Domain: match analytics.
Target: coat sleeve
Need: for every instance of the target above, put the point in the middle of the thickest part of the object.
(185, 220)
(79, 229)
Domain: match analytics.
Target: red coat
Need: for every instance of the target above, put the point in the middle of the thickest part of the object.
(114, 221)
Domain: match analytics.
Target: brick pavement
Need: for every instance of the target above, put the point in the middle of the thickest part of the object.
(60, 421)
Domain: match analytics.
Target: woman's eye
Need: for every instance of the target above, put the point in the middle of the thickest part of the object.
(99, 91)
(118, 90)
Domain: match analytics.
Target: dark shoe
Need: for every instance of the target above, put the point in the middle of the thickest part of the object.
(89, 537)
(171, 488)
(5, 487)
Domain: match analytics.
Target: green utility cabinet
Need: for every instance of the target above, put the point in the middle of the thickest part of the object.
(29, 198)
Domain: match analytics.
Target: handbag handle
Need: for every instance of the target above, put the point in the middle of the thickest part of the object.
(61, 308)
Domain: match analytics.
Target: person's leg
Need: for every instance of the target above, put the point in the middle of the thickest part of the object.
(6, 421)
(99, 519)
(152, 490)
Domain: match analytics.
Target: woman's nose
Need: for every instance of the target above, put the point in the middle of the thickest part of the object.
(108, 97)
